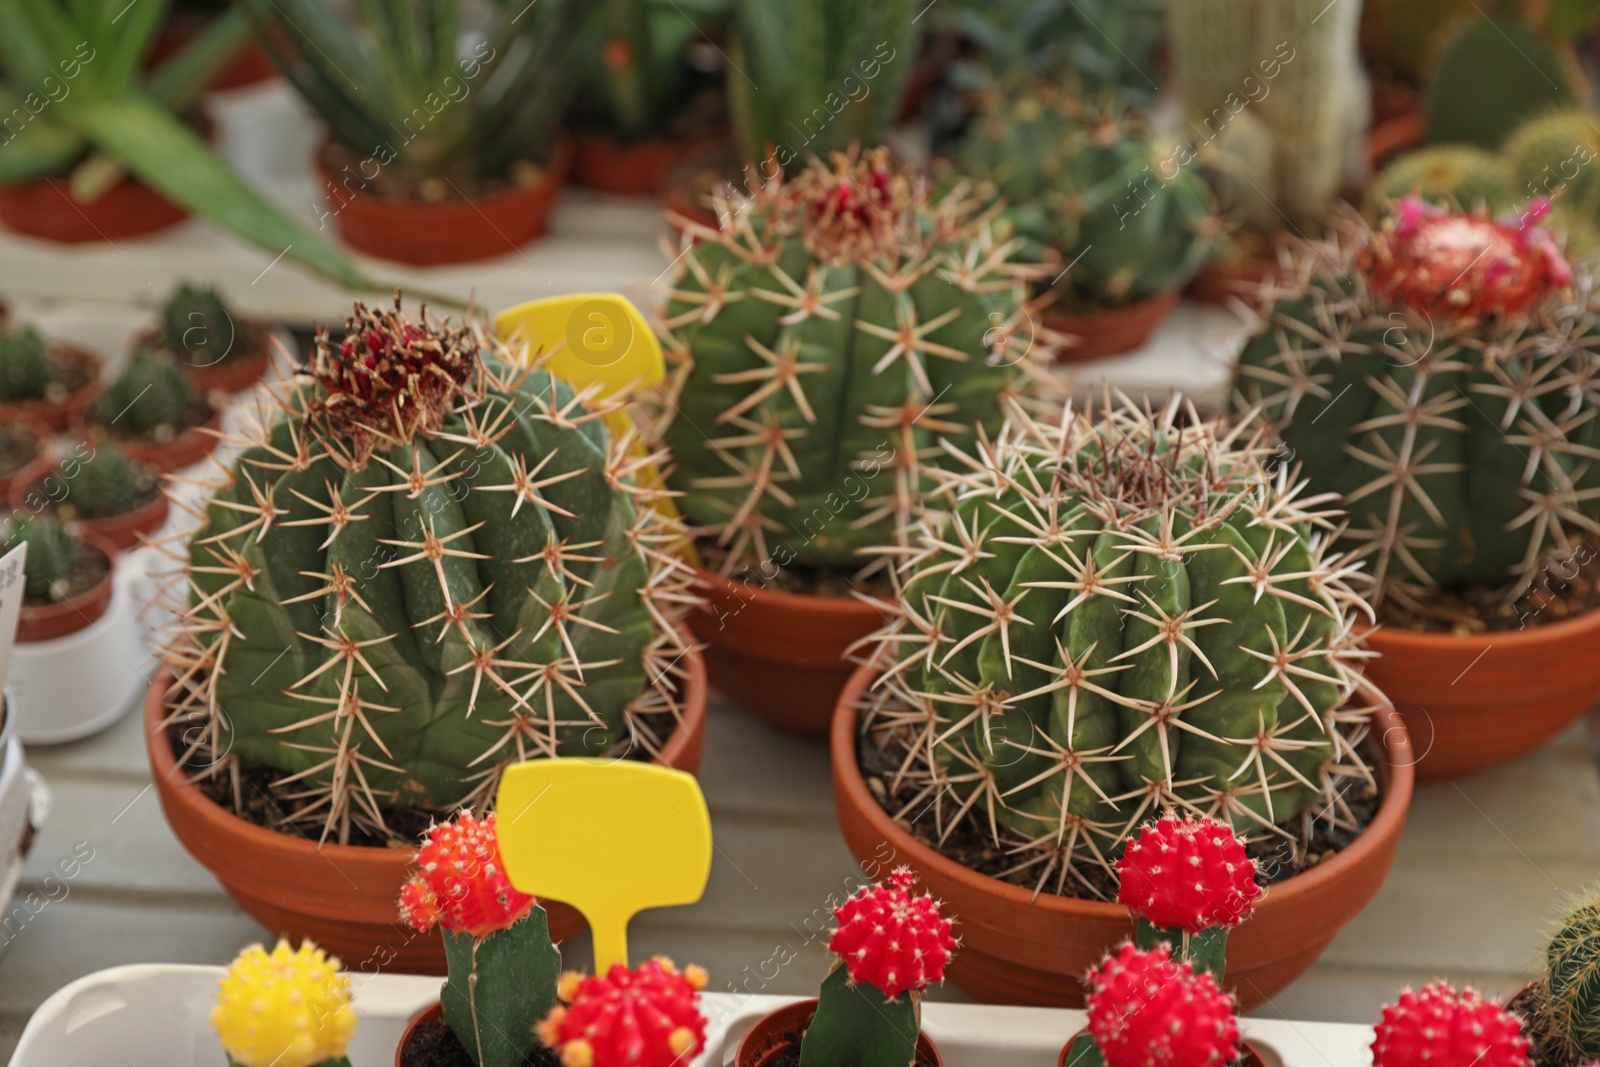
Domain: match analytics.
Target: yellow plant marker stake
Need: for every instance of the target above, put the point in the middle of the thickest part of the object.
(609, 837)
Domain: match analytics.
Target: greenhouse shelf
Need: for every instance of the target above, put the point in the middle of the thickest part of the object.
(156, 1015)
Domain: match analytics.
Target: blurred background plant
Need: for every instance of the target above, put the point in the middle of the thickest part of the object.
(643, 80)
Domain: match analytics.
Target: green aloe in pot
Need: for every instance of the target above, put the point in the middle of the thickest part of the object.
(436, 562)
(640, 80)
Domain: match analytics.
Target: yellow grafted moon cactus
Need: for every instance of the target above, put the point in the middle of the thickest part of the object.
(286, 1008)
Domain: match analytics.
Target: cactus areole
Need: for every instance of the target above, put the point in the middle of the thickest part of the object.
(435, 561)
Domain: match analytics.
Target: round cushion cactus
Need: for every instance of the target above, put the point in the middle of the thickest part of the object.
(821, 341)
(196, 326)
(1439, 1027)
(436, 562)
(1437, 375)
(151, 397)
(1114, 615)
(1572, 982)
(1148, 1010)
(1554, 155)
(286, 1008)
(1458, 176)
(1187, 874)
(26, 370)
(104, 482)
(891, 939)
(52, 556)
(460, 882)
(645, 1017)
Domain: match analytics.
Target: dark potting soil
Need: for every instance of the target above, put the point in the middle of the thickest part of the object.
(790, 1055)
(89, 570)
(1529, 1005)
(1562, 591)
(433, 1044)
(970, 844)
(801, 578)
(392, 183)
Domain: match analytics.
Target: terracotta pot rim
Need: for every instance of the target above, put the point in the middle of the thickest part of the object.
(1165, 298)
(165, 764)
(1430, 641)
(1391, 812)
(798, 603)
(426, 1015)
(555, 173)
(88, 607)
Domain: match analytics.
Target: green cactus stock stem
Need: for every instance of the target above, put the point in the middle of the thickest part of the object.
(857, 1026)
(499, 988)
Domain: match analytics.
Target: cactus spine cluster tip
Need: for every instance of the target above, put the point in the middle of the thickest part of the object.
(1437, 1026)
(286, 1008)
(1147, 1009)
(645, 1017)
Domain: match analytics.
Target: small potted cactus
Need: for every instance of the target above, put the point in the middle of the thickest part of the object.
(99, 489)
(1559, 1010)
(1434, 373)
(24, 456)
(820, 343)
(1438, 1026)
(889, 946)
(433, 561)
(154, 413)
(284, 1008)
(1105, 617)
(67, 582)
(216, 349)
(43, 382)
(1159, 1000)
(1085, 178)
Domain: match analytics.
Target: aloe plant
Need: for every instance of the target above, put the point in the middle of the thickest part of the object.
(394, 82)
(640, 77)
(79, 102)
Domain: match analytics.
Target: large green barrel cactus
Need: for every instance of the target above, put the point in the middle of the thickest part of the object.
(1115, 613)
(435, 563)
(822, 341)
(1085, 178)
(1439, 375)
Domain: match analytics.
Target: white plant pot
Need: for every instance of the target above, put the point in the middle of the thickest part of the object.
(24, 803)
(71, 687)
(156, 1015)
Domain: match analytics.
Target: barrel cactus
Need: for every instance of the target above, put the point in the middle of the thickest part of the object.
(1439, 374)
(1114, 614)
(822, 340)
(1085, 178)
(103, 482)
(52, 556)
(1572, 983)
(1458, 176)
(26, 370)
(435, 563)
(151, 397)
(1557, 156)
(196, 326)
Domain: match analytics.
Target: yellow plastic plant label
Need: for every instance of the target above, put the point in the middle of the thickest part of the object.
(609, 837)
(594, 339)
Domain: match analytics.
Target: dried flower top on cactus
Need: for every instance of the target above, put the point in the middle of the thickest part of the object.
(1113, 615)
(431, 561)
(822, 340)
(1441, 375)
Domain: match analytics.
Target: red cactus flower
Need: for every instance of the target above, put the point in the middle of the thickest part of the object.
(460, 883)
(1148, 1010)
(648, 1017)
(1187, 873)
(892, 940)
(1460, 267)
(1438, 1027)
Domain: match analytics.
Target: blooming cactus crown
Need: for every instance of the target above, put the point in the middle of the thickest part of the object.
(647, 1017)
(289, 1008)
(460, 883)
(892, 940)
(1439, 1027)
(1462, 267)
(1188, 874)
(1147, 1009)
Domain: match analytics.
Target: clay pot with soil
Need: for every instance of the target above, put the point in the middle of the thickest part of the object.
(775, 1039)
(1113, 331)
(98, 489)
(67, 579)
(44, 383)
(219, 350)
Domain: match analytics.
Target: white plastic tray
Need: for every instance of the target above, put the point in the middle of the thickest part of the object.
(155, 1015)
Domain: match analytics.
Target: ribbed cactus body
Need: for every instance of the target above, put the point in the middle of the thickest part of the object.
(1558, 156)
(52, 554)
(26, 370)
(1122, 614)
(403, 616)
(1460, 448)
(1087, 180)
(1491, 74)
(1457, 176)
(196, 326)
(1572, 981)
(105, 482)
(150, 397)
(820, 342)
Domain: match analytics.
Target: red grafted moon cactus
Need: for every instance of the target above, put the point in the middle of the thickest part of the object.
(1437, 1026)
(1187, 874)
(1148, 1010)
(646, 1017)
(460, 882)
(893, 940)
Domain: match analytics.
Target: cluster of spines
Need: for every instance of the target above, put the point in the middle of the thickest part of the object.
(1147, 1009)
(460, 882)
(646, 1017)
(1439, 1026)
(1189, 874)
(286, 1008)
(891, 939)
(197, 646)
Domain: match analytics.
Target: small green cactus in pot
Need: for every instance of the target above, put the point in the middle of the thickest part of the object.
(198, 329)
(150, 399)
(27, 371)
(437, 561)
(52, 557)
(101, 481)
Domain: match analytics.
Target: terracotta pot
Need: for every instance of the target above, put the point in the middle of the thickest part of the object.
(47, 209)
(1479, 701)
(1392, 136)
(1250, 1058)
(428, 1015)
(606, 164)
(236, 373)
(452, 231)
(780, 656)
(1018, 949)
(127, 530)
(770, 1037)
(185, 450)
(57, 415)
(49, 621)
(37, 467)
(698, 175)
(1113, 331)
(1235, 274)
(342, 896)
